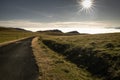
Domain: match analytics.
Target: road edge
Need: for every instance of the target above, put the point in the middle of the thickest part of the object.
(36, 50)
(12, 41)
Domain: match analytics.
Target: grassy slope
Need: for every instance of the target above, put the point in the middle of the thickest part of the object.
(102, 49)
(8, 34)
(99, 54)
(55, 67)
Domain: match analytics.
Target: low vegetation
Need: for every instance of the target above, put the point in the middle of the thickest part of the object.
(8, 34)
(53, 66)
(72, 56)
(99, 54)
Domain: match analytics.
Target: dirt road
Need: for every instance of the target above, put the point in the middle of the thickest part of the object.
(17, 61)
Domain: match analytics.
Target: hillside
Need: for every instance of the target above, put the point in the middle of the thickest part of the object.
(74, 32)
(55, 30)
(8, 34)
(98, 54)
(12, 29)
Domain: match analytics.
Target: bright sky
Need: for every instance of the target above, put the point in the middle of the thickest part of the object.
(85, 16)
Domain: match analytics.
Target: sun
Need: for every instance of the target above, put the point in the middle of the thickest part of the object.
(86, 4)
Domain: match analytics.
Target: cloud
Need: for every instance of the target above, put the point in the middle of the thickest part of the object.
(92, 27)
(34, 26)
(117, 27)
(113, 27)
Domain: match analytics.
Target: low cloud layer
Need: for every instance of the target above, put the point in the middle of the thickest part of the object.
(29, 24)
(84, 27)
(113, 27)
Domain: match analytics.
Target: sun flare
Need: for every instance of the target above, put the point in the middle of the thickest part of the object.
(86, 4)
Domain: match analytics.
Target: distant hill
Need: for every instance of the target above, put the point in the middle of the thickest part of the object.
(74, 32)
(20, 29)
(12, 29)
(57, 32)
(4, 28)
(9, 34)
(53, 31)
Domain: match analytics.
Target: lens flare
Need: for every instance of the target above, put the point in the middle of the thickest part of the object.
(86, 5)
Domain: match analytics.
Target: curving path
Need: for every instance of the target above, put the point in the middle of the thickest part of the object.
(17, 61)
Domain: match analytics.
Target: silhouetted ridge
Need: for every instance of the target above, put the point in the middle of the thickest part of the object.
(55, 30)
(74, 32)
(12, 29)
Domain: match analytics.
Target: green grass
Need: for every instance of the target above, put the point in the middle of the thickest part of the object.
(76, 57)
(61, 69)
(99, 41)
(99, 54)
(8, 35)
